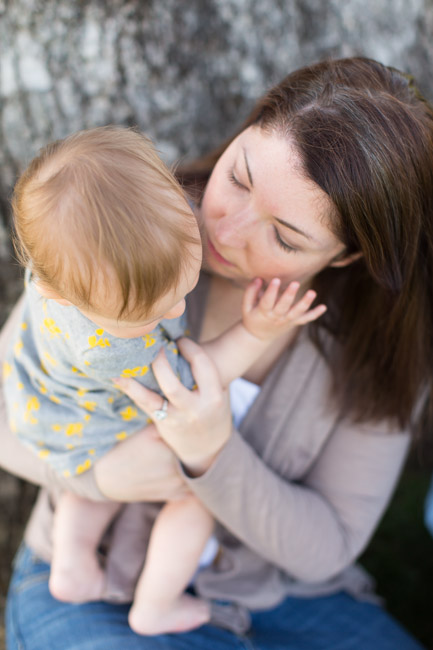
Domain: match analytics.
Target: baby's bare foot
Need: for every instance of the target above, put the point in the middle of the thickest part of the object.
(186, 613)
(79, 583)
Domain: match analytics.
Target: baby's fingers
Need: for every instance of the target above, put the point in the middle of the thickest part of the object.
(267, 300)
(311, 315)
(286, 299)
(251, 295)
(303, 305)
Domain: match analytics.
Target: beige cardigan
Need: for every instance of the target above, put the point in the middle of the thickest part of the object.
(297, 493)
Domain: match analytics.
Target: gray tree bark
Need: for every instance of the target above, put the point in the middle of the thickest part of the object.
(184, 71)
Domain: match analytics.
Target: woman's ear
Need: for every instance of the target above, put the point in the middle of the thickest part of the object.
(344, 259)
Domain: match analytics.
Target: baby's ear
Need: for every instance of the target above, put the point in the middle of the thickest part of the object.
(49, 293)
(344, 259)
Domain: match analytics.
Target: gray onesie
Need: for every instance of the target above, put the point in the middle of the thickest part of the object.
(58, 381)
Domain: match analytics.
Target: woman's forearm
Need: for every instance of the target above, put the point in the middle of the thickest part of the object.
(141, 468)
(314, 529)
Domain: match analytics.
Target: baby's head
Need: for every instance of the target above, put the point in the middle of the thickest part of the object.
(105, 227)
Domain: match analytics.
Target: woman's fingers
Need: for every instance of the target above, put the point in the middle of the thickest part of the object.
(169, 383)
(199, 422)
(147, 400)
(203, 371)
(202, 367)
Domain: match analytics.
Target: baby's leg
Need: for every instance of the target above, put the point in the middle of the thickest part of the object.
(79, 524)
(177, 541)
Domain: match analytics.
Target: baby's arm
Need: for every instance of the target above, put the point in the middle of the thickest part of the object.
(264, 317)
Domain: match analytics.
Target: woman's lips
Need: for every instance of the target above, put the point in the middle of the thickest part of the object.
(213, 251)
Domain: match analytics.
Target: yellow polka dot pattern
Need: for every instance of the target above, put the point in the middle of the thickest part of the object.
(59, 373)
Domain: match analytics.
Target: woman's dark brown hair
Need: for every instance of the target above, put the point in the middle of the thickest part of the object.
(365, 136)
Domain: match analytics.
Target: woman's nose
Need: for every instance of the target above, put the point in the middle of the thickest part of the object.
(235, 228)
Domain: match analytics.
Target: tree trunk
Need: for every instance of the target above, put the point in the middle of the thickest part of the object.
(185, 71)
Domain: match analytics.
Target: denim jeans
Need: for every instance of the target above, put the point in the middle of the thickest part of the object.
(36, 621)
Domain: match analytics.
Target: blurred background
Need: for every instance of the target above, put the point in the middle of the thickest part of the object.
(187, 72)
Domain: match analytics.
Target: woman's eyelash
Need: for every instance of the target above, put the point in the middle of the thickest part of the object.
(282, 243)
(234, 181)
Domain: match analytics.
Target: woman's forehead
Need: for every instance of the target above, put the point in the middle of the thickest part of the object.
(274, 167)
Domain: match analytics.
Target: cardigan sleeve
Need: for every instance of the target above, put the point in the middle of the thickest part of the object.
(299, 485)
(316, 527)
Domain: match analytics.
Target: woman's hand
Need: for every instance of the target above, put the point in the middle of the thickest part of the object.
(198, 422)
(142, 468)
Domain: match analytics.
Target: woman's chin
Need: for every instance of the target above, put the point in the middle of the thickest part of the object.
(224, 274)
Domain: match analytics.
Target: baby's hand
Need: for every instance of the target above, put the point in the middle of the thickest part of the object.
(268, 315)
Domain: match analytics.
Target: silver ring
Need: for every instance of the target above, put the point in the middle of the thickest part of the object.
(161, 414)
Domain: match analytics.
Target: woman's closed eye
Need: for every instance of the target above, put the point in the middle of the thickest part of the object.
(282, 243)
(234, 181)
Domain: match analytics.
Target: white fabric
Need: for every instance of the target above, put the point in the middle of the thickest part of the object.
(242, 395)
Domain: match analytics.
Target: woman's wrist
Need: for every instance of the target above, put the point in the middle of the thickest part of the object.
(197, 469)
(197, 464)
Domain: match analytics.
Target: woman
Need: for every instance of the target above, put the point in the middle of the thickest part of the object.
(329, 183)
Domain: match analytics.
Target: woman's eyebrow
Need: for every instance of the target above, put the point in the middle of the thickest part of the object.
(286, 224)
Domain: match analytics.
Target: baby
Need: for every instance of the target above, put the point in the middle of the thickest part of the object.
(111, 248)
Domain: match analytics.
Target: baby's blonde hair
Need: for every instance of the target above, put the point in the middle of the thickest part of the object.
(103, 199)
